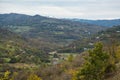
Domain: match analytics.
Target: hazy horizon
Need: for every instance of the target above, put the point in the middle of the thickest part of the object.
(60, 18)
(81, 9)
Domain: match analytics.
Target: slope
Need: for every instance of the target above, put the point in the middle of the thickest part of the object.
(108, 37)
(48, 30)
(15, 49)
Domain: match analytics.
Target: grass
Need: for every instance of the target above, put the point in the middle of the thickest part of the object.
(62, 56)
(23, 66)
(58, 33)
(19, 29)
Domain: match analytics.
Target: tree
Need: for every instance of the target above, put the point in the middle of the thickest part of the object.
(6, 76)
(70, 58)
(33, 77)
(96, 64)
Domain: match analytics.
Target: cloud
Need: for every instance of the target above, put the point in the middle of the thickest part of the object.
(91, 9)
(52, 11)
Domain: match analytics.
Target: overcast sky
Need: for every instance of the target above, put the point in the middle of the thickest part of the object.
(83, 9)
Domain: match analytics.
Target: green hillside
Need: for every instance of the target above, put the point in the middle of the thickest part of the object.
(109, 36)
(15, 49)
(49, 30)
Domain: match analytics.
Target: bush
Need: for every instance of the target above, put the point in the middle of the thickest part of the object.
(34, 77)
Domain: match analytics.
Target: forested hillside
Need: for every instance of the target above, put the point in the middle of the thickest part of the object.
(48, 30)
(16, 49)
(111, 35)
(105, 23)
(97, 63)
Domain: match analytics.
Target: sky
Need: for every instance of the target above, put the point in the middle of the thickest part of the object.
(82, 9)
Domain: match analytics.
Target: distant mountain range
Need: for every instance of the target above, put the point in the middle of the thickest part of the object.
(106, 23)
(47, 30)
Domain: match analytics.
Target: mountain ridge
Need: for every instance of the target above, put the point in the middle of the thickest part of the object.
(50, 30)
(105, 23)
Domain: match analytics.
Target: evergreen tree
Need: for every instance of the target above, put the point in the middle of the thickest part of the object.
(95, 65)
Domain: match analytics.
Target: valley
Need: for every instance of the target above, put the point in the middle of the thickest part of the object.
(57, 49)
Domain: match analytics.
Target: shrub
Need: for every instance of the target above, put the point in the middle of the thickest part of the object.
(33, 77)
